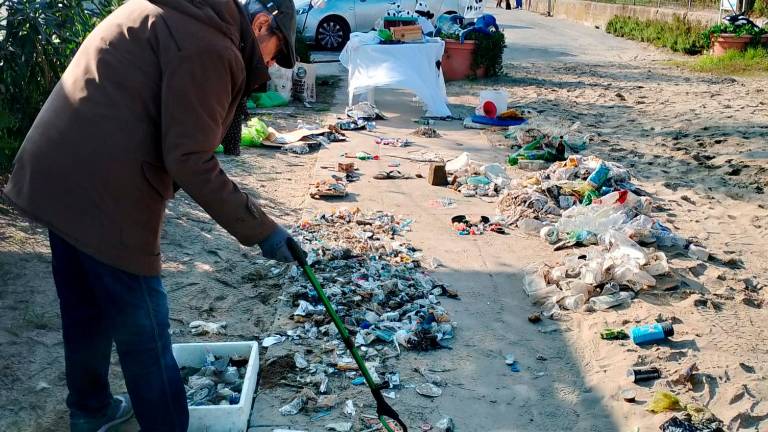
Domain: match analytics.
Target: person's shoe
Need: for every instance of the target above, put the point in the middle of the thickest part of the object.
(119, 411)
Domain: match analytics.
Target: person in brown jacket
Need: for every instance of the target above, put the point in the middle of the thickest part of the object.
(141, 108)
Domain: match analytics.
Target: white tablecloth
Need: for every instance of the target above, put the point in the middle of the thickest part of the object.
(404, 66)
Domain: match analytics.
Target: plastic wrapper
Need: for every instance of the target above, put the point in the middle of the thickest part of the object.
(294, 407)
(199, 328)
(305, 309)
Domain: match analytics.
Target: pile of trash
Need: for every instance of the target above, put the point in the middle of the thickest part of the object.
(541, 133)
(471, 178)
(599, 278)
(586, 201)
(218, 382)
(362, 115)
(376, 283)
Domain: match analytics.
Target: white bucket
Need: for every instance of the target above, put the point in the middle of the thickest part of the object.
(497, 97)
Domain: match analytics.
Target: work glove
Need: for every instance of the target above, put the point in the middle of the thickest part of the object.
(275, 246)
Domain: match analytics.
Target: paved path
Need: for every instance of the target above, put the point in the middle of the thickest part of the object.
(535, 38)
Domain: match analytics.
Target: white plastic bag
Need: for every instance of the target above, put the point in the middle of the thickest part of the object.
(280, 81)
(460, 163)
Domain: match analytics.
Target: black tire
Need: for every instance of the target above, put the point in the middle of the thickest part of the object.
(332, 33)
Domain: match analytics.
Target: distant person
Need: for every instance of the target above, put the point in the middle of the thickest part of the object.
(508, 4)
(518, 4)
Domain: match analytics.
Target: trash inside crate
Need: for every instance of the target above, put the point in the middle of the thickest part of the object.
(220, 380)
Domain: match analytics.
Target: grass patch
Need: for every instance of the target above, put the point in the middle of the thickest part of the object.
(752, 61)
(761, 8)
(679, 35)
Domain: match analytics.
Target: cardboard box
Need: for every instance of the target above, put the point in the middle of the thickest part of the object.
(409, 33)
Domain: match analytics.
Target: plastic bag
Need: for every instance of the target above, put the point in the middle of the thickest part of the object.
(640, 229)
(269, 99)
(621, 246)
(281, 81)
(657, 264)
(593, 272)
(254, 132)
(664, 401)
(497, 174)
(462, 162)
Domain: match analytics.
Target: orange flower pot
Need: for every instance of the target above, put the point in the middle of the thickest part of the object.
(457, 61)
(725, 42)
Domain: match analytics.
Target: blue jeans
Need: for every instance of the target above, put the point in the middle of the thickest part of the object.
(101, 304)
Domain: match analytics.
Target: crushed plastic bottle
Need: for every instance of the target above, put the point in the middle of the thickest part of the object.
(609, 301)
(574, 302)
(536, 287)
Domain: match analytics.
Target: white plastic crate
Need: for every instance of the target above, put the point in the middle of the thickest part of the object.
(221, 418)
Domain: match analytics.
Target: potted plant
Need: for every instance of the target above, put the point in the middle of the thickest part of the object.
(722, 37)
(479, 56)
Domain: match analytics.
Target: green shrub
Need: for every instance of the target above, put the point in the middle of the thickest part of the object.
(488, 53)
(489, 50)
(679, 35)
(37, 40)
(753, 60)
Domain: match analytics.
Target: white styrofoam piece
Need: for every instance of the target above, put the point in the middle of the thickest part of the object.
(221, 418)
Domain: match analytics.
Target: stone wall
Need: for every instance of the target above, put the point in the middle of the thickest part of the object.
(598, 14)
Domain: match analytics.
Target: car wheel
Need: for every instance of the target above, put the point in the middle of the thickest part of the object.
(332, 33)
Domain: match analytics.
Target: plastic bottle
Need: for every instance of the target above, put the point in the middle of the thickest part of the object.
(533, 145)
(609, 301)
(651, 333)
(599, 175)
(574, 302)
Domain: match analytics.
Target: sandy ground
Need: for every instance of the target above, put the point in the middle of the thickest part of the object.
(697, 143)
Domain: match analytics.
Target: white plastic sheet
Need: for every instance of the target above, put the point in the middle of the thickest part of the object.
(404, 66)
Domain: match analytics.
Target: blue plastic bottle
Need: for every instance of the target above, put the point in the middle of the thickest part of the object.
(651, 333)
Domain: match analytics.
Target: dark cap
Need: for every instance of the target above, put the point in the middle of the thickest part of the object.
(283, 14)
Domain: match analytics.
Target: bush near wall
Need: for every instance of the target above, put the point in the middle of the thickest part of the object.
(679, 35)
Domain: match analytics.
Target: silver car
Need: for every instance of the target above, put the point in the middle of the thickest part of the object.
(328, 27)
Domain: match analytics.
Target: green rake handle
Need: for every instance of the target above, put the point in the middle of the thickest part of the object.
(383, 409)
